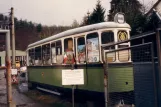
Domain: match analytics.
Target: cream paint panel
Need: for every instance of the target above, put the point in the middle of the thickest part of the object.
(82, 29)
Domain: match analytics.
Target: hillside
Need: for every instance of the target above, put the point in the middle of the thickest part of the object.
(27, 32)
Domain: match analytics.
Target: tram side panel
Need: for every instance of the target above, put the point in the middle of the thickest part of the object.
(120, 80)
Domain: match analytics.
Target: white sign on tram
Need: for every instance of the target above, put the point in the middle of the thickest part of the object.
(73, 77)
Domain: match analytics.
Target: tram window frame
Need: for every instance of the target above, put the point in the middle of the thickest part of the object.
(56, 47)
(93, 35)
(110, 39)
(66, 47)
(38, 55)
(123, 46)
(31, 60)
(46, 57)
(68, 50)
(83, 52)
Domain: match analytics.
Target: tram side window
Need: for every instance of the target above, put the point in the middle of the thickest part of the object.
(56, 52)
(108, 37)
(31, 56)
(92, 47)
(81, 50)
(68, 49)
(38, 58)
(46, 54)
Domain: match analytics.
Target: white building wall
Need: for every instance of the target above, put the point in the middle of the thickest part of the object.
(18, 53)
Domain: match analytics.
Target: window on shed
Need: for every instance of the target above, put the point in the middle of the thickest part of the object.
(81, 50)
(31, 54)
(56, 52)
(68, 51)
(46, 54)
(93, 47)
(38, 58)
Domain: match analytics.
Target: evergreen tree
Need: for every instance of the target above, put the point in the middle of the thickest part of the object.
(75, 24)
(39, 28)
(98, 14)
(85, 21)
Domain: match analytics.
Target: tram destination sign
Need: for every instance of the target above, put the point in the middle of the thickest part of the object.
(73, 77)
(119, 18)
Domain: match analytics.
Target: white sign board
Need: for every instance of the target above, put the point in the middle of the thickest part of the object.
(14, 71)
(73, 77)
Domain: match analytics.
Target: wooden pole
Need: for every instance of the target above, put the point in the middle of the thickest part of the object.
(13, 37)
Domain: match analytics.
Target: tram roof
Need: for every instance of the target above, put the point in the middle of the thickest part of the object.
(81, 30)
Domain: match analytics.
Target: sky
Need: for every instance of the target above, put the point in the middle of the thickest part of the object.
(54, 12)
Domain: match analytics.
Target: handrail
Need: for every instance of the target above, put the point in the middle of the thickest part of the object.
(126, 48)
(133, 38)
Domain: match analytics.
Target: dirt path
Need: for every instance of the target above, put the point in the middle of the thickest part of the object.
(19, 99)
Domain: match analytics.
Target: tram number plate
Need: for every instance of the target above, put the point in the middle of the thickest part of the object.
(73, 77)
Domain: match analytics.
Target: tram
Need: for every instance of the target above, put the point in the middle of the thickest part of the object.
(82, 46)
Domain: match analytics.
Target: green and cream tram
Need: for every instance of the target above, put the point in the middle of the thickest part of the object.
(82, 46)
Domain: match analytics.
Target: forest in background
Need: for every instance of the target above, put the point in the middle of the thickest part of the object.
(27, 32)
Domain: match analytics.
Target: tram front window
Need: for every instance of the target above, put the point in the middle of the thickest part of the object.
(123, 55)
(107, 37)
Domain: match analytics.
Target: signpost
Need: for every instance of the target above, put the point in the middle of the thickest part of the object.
(73, 77)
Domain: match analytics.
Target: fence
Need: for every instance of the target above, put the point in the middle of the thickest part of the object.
(132, 83)
(132, 80)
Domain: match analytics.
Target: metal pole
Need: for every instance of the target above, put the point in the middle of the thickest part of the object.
(154, 76)
(159, 61)
(8, 70)
(13, 37)
(72, 95)
(72, 89)
(105, 67)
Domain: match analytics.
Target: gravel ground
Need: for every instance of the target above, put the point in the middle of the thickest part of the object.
(35, 98)
(19, 99)
(32, 98)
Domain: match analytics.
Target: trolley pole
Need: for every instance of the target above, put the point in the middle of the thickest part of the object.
(13, 37)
